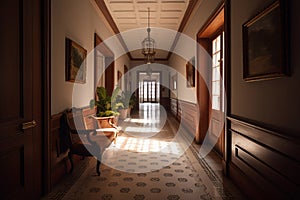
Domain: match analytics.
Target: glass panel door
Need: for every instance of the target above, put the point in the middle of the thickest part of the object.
(149, 91)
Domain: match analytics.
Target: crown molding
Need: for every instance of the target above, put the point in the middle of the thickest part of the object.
(101, 5)
(186, 17)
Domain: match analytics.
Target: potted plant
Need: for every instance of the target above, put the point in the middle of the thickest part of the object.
(127, 100)
(105, 112)
(132, 100)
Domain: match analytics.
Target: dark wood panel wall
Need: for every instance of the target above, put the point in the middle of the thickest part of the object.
(165, 102)
(186, 112)
(58, 160)
(264, 164)
(173, 106)
(188, 115)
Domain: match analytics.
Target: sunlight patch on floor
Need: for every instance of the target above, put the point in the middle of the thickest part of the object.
(147, 145)
(142, 129)
(142, 121)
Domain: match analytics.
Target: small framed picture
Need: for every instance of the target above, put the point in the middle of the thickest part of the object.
(174, 82)
(190, 73)
(75, 62)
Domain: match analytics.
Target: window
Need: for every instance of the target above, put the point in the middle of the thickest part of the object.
(217, 70)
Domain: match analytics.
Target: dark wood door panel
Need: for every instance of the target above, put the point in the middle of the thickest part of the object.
(12, 174)
(10, 66)
(20, 146)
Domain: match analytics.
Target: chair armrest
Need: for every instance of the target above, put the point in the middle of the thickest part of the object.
(93, 132)
(83, 132)
(113, 125)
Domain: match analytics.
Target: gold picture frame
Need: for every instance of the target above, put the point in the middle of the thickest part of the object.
(75, 62)
(190, 73)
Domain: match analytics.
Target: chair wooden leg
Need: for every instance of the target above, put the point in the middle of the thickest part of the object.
(71, 162)
(99, 157)
(98, 167)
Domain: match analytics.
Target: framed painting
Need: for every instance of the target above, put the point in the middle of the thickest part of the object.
(75, 62)
(190, 73)
(174, 82)
(265, 44)
(119, 76)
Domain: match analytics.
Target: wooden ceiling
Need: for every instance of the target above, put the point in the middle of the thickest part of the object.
(131, 14)
(124, 15)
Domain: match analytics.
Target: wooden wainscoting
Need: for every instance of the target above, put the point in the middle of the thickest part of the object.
(173, 106)
(165, 102)
(60, 164)
(264, 164)
(58, 158)
(187, 112)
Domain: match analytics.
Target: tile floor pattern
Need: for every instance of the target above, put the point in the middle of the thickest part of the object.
(134, 172)
(187, 178)
(179, 180)
(183, 178)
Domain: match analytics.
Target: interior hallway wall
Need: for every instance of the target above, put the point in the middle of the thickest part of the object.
(272, 102)
(198, 18)
(77, 20)
(264, 122)
(119, 66)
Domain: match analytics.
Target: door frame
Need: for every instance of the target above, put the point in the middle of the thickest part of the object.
(205, 113)
(227, 71)
(148, 87)
(138, 80)
(109, 65)
(46, 94)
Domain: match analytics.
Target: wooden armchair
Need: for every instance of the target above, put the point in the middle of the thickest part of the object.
(81, 141)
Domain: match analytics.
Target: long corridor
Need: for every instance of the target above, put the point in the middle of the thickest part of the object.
(153, 159)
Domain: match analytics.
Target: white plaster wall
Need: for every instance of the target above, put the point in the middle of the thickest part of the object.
(183, 92)
(77, 20)
(186, 46)
(119, 66)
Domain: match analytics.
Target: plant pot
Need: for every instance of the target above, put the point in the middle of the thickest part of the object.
(123, 113)
(103, 122)
(116, 119)
(128, 112)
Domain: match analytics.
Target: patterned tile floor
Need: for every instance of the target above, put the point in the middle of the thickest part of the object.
(177, 181)
(154, 167)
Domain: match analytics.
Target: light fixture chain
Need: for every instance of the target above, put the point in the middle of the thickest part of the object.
(148, 44)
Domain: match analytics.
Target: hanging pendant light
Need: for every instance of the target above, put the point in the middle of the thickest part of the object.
(148, 45)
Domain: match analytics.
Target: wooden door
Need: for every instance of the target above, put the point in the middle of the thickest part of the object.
(20, 107)
(109, 63)
(109, 75)
(217, 94)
